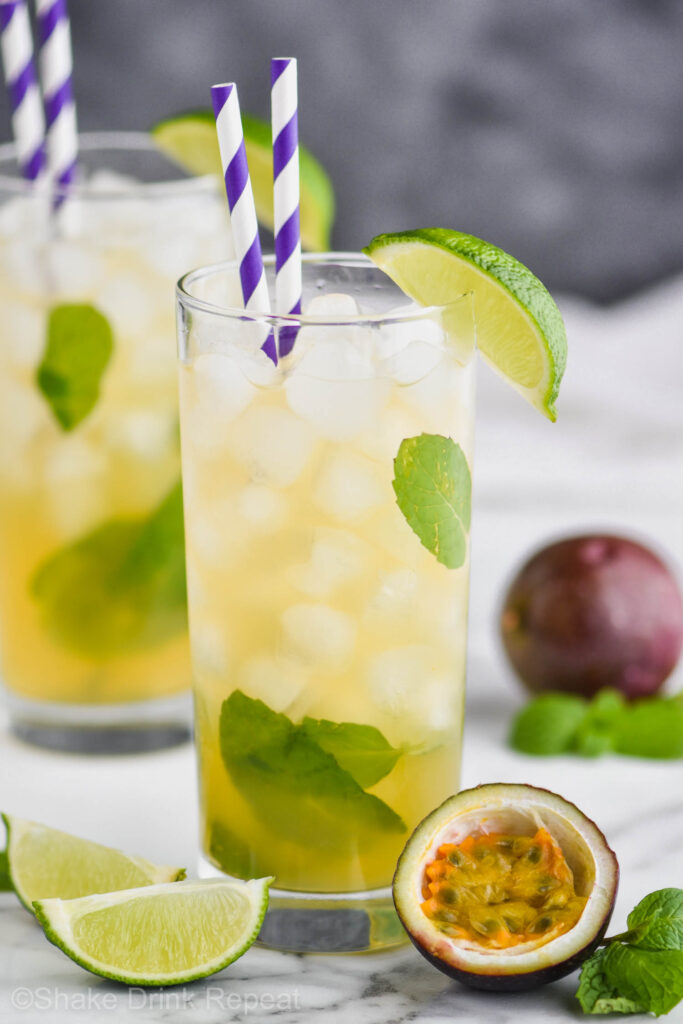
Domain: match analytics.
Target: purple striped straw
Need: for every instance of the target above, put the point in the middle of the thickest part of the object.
(56, 69)
(28, 124)
(241, 202)
(286, 194)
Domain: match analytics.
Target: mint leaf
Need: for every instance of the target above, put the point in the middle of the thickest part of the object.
(294, 786)
(79, 346)
(595, 993)
(595, 734)
(659, 919)
(121, 587)
(361, 750)
(651, 978)
(548, 724)
(433, 489)
(231, 852)
(651, 728)
(5, 883)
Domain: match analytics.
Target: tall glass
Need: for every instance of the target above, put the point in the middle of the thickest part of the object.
(328, 644)
(93, 631)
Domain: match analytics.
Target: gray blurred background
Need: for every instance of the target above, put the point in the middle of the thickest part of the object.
(550, 127)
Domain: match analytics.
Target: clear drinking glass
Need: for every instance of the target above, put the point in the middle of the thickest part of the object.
(93, 629)
(328, 645)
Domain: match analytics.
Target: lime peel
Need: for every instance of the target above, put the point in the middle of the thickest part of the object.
(44, 862)
(520, 331)
(166, 934)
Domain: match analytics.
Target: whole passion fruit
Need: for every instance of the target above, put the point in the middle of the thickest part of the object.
(590, 612)
(506, 887)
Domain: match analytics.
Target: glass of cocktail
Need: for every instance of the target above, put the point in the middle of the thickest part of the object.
(327, 514)
(92, 589)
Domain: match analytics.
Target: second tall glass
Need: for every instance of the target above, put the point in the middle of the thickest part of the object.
(328, 642)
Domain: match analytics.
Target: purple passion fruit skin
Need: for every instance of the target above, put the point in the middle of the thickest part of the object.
(505, 970)
(592, 612)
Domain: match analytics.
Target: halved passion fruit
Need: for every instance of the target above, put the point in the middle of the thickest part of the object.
(506, 887)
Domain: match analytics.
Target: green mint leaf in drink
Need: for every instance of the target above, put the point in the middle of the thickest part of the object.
(361, 750)
(596, 994)
(548, 725)
(294, 786)
(651, 728)
(231, 852)
(433, 490)
(658, 919)
(652, 978)
(119, 588)
(79, 346)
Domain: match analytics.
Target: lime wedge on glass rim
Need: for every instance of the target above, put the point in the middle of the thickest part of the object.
(190, 140)
(44, 862)
(161, 934)
(520, 331)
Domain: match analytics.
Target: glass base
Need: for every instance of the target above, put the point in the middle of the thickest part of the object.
(312, 922)
(102, 728)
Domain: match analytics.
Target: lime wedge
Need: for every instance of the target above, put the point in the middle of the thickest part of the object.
(520, 331)
(159, 935)
(190, 140)
(44, 862)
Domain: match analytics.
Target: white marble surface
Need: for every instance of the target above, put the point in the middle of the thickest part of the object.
(614, 460)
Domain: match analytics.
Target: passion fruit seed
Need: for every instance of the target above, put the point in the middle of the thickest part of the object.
(519, 878)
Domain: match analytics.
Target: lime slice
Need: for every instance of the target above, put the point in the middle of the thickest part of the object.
(190, 140)
(159, 935)
(520, 331)
(44, 862)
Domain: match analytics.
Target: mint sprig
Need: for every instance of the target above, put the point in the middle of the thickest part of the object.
(642, 969)
(119, 588)
(433, 490)
(561, 723)
(361, 750)
(78, 348)
(294, 785)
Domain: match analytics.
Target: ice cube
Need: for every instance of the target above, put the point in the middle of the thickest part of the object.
(210, 646)
(273, 444)
(396, 424)
(129, 304)
(318, 635)
(412, 363)
(74, 269)
(75, 473)
(334, 304)
(392, 339)
(142, 433)
(443, 400)
(337, 558)
(153, 360)
(24, 412)
(349, 485)
(276, 681)
(334, 386)
(396, 595)
(409, 683)
(23, 334)
(221, 393)
(214, 534)
(262, 507)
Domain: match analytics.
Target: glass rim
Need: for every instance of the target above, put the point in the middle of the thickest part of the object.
(103, 141)
(351, 259)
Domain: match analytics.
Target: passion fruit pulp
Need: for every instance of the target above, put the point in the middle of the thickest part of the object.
(506, 887)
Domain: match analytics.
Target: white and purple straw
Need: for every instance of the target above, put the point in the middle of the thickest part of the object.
(56, 69)
(241, 202)
(286, 194)
(28, 124)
